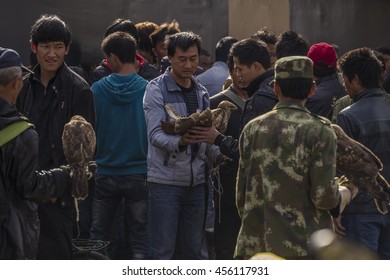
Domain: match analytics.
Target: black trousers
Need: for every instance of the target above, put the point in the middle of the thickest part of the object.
(225, 232)
(56, 222)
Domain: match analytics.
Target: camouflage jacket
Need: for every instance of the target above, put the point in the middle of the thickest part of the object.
(285, 181)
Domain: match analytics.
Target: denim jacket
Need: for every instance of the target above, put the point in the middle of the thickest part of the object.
(167, 164)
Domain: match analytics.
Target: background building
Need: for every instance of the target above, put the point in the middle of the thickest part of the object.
(347, 23)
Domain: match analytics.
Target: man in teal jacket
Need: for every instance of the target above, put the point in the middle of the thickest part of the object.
(121, 145)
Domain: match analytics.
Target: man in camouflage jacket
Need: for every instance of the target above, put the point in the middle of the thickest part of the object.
(285, 184)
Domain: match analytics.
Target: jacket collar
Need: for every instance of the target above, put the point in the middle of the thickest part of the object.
(256, 83)
(371, 92)
(172, 85)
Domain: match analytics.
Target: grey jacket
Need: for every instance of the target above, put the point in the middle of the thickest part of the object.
(166, 163)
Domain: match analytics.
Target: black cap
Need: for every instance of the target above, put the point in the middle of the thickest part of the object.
(10, 58)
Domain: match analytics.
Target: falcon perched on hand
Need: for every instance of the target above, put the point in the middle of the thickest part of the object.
(79, 141)
(180, 125)
(361, 167)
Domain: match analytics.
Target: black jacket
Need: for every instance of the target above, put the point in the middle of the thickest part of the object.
(328, 90)
(73, 96)
(367, 120)
(262, 99)
(65, 96)
(228, 169)
(21, 186)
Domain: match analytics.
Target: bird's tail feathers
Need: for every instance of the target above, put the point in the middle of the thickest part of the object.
(80, 183)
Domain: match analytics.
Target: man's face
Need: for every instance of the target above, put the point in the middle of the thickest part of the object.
(386, 57)
(350, 86)
(236, 80)
(160, 50)
(50, 55)
(205, 62)
(184, 63)
(245, 73)
(272, 54)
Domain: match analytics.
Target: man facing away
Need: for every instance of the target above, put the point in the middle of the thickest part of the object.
(21, 186)
(121, 145)
(49, 98)
(285, 180)
(329, 87)
(177, 177)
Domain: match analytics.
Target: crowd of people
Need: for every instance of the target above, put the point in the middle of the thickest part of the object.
(265, 184)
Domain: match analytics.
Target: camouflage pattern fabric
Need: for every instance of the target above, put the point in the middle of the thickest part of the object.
(292, 67)
(285, 181)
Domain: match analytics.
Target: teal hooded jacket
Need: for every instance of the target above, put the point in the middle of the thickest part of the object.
(121, 137)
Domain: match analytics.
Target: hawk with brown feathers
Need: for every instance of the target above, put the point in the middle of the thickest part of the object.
(180, 125)
(79, 142)
(361, 166)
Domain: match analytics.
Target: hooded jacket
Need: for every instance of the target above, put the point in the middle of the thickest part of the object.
(21, 187)
(121, 137)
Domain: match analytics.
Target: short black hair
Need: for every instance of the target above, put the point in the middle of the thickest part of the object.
(363, 63)
(249, 51)
(291, 43)
(297, 88)
(121, 44)
(124, 25)
(222, 48)
(230, 62)
(265, 35)
(384, 50)
(50, 28)
(182, 41)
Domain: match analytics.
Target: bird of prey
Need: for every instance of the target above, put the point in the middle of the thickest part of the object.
(221, 115)
(180, 125)
(361, 166)
(79, 141)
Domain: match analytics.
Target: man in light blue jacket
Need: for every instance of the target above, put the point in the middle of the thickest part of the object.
(177, 166)
(121, 145)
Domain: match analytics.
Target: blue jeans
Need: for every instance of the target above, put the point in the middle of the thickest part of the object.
(176, 221)
(108, 195)
(371, 230)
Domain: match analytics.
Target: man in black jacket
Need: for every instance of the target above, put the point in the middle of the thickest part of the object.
(49, 98)
(251, 62)
(21, 186)
(367, 120)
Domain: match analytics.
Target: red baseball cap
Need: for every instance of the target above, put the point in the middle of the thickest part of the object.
(323, 55)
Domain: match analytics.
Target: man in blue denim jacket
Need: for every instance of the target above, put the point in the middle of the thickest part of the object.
(177, 164)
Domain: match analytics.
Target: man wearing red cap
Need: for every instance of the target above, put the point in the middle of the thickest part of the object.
(329, 88)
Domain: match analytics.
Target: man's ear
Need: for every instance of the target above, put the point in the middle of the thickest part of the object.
(277, 90)
(312, 89)
(258, 66)
(67, 49)
(33, 47)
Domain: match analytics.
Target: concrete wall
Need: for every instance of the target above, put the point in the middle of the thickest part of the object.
(348, 23)
(88, 20)
(248, 16)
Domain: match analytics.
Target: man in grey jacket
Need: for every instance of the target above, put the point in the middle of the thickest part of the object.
(176, 164)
